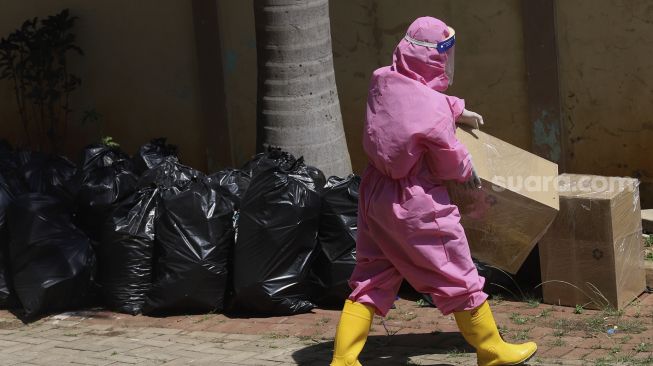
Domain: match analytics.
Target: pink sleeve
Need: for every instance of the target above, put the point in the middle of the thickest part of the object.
(457, 106)
(448, 159)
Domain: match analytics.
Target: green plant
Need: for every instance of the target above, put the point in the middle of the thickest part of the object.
(408, 316)
(625, 339)
(578, 309)
(497, 299)
(544, 313)
(532, 302)
(109, 142)
(518, 318)
(560, 332)
(642, 347)
(455, 353)
(34, 58)
(422, 303)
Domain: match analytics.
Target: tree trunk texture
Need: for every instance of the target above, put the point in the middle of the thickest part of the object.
(297, 107)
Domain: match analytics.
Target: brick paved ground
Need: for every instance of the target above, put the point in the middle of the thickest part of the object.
(410, 335)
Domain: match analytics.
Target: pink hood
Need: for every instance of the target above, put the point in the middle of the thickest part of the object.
(410, 124)
(419, 63)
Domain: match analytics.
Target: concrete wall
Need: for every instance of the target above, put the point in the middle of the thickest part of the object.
(139, 72)
(607, 87)
(490, 70)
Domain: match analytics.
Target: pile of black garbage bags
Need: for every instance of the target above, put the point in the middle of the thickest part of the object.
(147, 234)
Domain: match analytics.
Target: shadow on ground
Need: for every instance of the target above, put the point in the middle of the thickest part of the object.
(396, 350)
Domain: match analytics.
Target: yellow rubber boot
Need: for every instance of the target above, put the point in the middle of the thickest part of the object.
(480, 331)
(354, 326)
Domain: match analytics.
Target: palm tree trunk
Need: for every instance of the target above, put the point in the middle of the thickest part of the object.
(298, 108)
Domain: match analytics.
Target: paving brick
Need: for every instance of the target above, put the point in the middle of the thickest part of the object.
(162, 331)
(240, 356)
(556, 352)
(16, 348)
(154, 342)
(597, 354)
(6, 343)
(151, 353)
(91, 361)
(206, 347)
(47, 360)
(577, 354)
(84, 346)
(218, 340)
(125, 359)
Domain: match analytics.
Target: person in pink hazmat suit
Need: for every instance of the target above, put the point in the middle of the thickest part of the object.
(407, 226)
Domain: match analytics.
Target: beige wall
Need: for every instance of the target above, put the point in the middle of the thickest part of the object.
(138, 72)
(607, 87)
(236, 19)
(490, 69)
(490, 72)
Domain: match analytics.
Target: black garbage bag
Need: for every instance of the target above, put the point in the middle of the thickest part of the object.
(52, 261)
(170, 175)
(13, 181)
(524, 285)
(6, 198)
(275, 157)
(126, 252)
(48, 174)
(234, 181)
(153, 153)
(102, 156)
(276, 242)
(106, 178)
(7, 157)
(337, 242)
(318, 177)
(194, 237)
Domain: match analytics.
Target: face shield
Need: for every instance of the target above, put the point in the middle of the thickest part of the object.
(446, 47)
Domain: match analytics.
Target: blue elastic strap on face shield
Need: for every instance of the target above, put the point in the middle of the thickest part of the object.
(445, 45)
(441, 47)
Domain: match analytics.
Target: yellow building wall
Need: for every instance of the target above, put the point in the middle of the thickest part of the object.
(606, 82)
(490, 69)
(139, 71)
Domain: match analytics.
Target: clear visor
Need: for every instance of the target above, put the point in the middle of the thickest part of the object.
(449, 66)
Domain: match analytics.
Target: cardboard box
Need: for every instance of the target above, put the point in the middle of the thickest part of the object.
(592, 254)
(648, 264)
(648, 269)
(505, 219)
(647, 221)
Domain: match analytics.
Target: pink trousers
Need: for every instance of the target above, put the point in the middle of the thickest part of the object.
(409, 229)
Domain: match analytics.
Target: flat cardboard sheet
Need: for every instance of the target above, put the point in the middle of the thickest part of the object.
(506, 218)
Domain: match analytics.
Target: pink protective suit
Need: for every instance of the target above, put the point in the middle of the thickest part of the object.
(407, 226)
